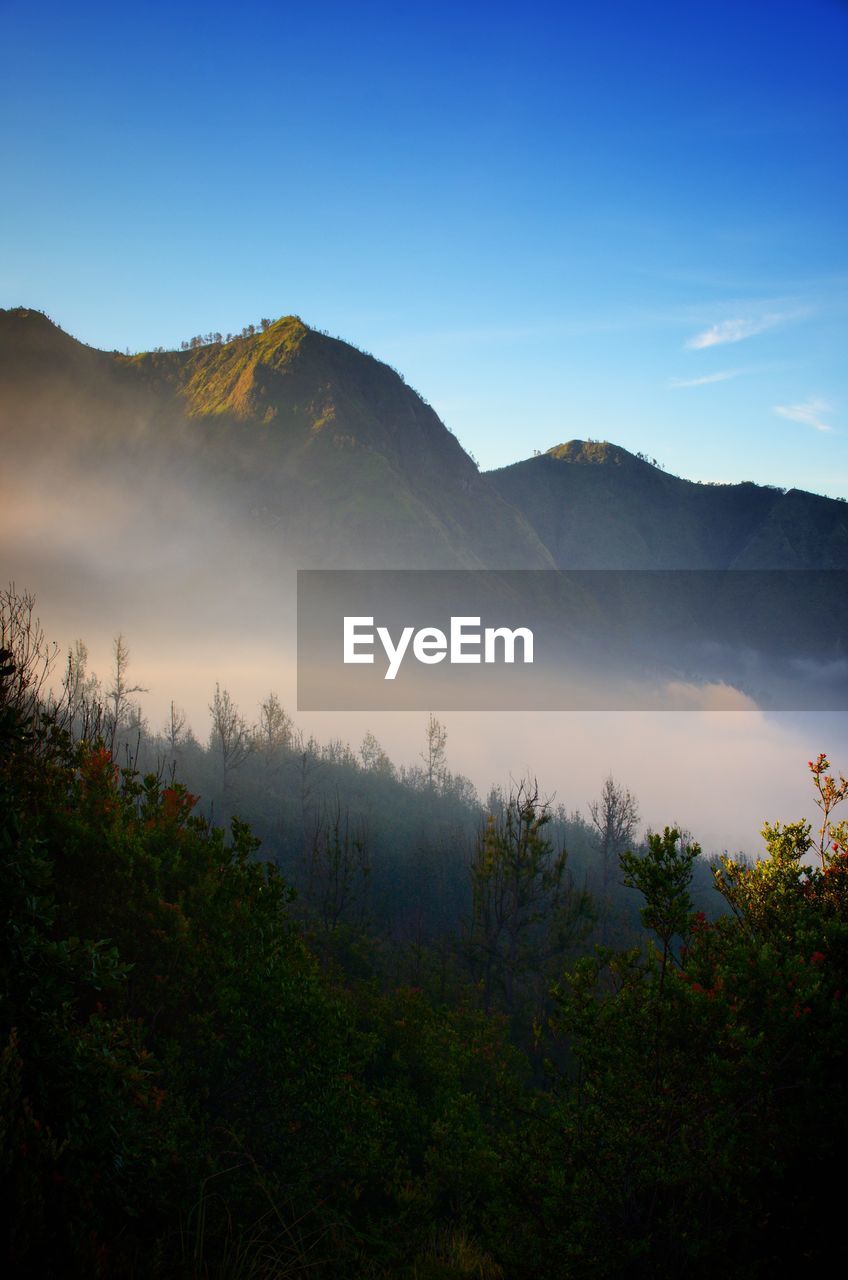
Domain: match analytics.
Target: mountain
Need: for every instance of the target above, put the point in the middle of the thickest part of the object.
(173, 493)
(299, 446)
(312, 445)
(596, 506)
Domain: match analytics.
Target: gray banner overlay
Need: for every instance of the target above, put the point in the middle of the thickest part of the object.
(419, 640)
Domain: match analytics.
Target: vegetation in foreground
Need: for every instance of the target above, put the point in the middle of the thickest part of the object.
(191, 1086)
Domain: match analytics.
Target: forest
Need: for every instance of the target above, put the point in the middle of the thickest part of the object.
(273, 1008)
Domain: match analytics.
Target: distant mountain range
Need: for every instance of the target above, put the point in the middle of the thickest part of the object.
(325, 452)
(185, 487)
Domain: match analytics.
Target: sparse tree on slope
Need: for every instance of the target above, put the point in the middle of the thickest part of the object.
(615, 817)
(231, 736)
(118, 697)
(524, 912)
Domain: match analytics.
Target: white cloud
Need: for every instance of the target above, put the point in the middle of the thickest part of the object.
(809, 413)
(684, 696)
(733, 331)
(722, 376)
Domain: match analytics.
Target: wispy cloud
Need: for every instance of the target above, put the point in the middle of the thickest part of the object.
(735, 330)
(723, 376)
(810, 413)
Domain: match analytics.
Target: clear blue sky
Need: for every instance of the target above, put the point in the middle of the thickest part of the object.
(609, 220)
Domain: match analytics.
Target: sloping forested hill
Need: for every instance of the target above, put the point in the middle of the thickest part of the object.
(325, 455)
(596, 506)
(197, 1078)
(321, 451)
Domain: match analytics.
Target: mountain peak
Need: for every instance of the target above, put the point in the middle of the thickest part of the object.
(232, 377)
(282, 336)
(30, 339)
(26, 315)
(596, 453)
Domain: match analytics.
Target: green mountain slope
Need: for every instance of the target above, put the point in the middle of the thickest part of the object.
(312, 442)
(596, 506)
(323, 454)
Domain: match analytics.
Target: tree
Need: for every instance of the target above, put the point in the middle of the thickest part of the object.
(24, 650)
(523, 910)
(175, 733)
(231, 737)
(615, 817)
(433, 755)
(174, 730)
(81, 685)
(663, 874)
(81, 706)
(119, 693)
(275, 729)
(374, 758)
(337, 871)
(829, 794)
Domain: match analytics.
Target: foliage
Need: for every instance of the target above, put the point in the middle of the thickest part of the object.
(182, 1091)
(201, 1076)
(525, 913)
(704, 1102)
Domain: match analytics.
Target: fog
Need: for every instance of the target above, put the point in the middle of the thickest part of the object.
(201, 584)
(720, 773)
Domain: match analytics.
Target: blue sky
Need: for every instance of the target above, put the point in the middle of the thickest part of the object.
(619, 221)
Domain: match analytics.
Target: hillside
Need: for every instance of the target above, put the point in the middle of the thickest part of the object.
(306, 448)
(318, 448)
(596, 506)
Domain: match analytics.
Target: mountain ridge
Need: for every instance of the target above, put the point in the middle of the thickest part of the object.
(298, 431)
(304, 433)
(596, 505)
